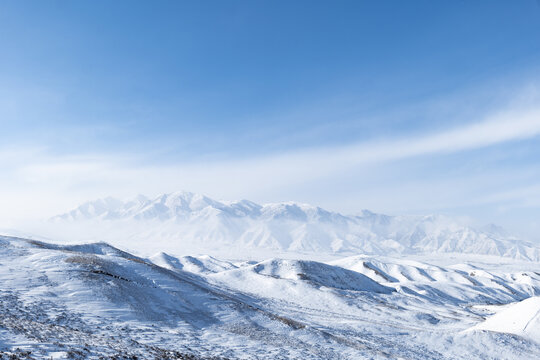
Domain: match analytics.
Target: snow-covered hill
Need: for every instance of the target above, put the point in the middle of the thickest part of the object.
(522, 319)
(200, 224)
(94, 301)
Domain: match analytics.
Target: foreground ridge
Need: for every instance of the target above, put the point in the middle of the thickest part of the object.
(97, 301)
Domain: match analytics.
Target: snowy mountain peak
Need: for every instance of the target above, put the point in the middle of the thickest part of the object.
(203, 224)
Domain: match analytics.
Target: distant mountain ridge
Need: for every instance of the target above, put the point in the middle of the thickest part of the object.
(191, 218)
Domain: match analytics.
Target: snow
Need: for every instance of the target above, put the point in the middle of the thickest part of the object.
(203, 264)
(95, 300)
(522, 319)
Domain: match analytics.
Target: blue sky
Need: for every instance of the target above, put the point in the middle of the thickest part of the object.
(399, 107)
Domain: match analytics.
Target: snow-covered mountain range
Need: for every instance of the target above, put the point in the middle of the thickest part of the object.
(199, 223)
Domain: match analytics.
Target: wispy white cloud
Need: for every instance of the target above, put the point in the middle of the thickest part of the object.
(499, 128)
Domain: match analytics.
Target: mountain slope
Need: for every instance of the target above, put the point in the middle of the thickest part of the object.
(200, 224)
(522, 318)
(95, 301)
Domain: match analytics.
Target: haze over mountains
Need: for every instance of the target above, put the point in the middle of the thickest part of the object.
(197, 223)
